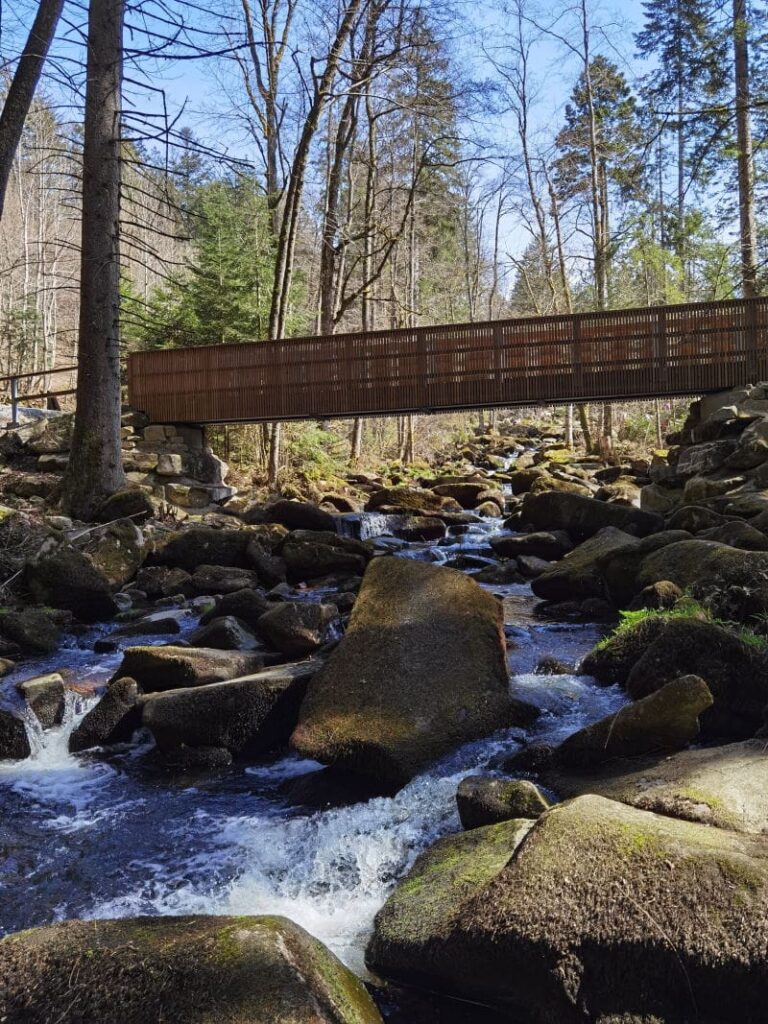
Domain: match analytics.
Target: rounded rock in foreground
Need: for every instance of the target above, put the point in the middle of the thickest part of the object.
(189, 970)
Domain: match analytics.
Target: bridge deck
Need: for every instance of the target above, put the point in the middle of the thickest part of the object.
(618, 354)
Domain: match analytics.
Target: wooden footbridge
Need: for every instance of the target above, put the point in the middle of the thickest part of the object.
(614, 355)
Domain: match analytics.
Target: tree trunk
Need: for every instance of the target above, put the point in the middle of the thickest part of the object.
(356, 442)
(569, 425)
(273, 466)
(585, 428)
(746, 166)
(95, 466)
(22, 88)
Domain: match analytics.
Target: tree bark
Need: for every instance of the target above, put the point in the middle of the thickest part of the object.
(95, 465)
(22, 88)
(746, 166)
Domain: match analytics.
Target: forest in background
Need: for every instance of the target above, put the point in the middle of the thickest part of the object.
(383, 164)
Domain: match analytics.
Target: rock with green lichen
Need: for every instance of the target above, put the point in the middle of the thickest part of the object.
(664, 721)
(583, 517)
(597, 911)
(190, 970)
(67, 579)
(483, 800)
(722, 786)
(420, 670)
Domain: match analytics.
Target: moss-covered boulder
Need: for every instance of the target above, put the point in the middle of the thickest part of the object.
(203, 545)
(311, 554)
(118, 553)
(411, 499)
(113, 720)
(664, 721)
(245, 716)
(420, 670)
(190, 970)
(603, 912)
(660, 648)
(583, 517)
(130, 503)
(32, 629)
(484, 800)
(693, 561)
(724, 786)
(579, 574)
(300, 515)
(737, 535)
(169, 668)
(542, 544)
(65, 578)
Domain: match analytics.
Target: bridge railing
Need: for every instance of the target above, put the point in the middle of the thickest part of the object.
(609, 355)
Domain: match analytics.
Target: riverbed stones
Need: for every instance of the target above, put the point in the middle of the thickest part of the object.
(203, 545)
(207, 970)
(170, 668)
(222, 579)
(543, 544)
(113, 720)
(14, 743)
(65, 578)
(583, 517)
(420, 670)
(664, 721)
(247, 605)
(247, 716)
(483, 800)
(32, 629)
(226, 633)
(604, 913)
(406, 499)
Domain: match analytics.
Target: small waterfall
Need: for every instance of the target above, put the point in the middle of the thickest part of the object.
(49, 748)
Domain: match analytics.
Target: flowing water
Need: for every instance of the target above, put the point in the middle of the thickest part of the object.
(116, 835)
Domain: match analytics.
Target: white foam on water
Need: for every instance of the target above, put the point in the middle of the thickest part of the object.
(567, 702)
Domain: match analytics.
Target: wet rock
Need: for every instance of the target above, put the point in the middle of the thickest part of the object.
(483, 800)
(130, 503)
(170, 668)
(247, 716)
(296, 628)
(45, 696)
(551, 666)
(656, 499)
(310, 555)
(220, 579)
(243, 970)
(724, 786)
(664, 721)
(300, 515)
(161, 581)
(67, 579)
(14, 744)
(114, 719)
(549, 546)
(598, 901)
(410, 499)
(621, 567)
(658, 596)
(500, 575)
(6, 667)
(417, 528)
(583, 517)
(580, 573)
(195, 759)
(225, 633)
(269, 567)
(32, 629)
(420, 670)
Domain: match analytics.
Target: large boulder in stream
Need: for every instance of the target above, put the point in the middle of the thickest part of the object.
(411, 499)
(579, 574)
(113, 720)
(169, 668)
(300, 515)
(67, 579)
(247, 716)
(583, 517)
(420, 670)
(312, 554)
(603, 913)
(706, 563)
(191, 970)
(14, 743)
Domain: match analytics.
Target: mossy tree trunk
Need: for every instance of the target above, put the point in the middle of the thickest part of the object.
(95, 466)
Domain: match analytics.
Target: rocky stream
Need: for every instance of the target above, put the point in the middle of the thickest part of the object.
(411, 738)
